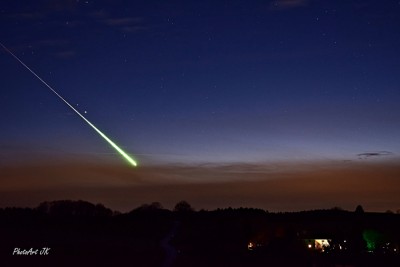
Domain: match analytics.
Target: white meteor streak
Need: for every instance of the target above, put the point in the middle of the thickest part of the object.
(125, 155)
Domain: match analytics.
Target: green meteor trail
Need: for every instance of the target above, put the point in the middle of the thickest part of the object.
(125, 155)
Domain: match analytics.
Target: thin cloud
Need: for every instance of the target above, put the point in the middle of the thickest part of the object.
(125, 24)
(288, 4)
(126, 21)
(65, 54)
(61, 5)
(50, 42)
(374, 154)
(27, 16)
(374, 185)
(99, 14)
(45, 8)
(132, 29)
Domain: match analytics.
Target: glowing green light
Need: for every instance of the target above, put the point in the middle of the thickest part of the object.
(126, 156)
(372, 238)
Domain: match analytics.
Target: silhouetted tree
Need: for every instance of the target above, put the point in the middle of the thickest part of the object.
(44, 207)
(101, 210)
(183, 206)
(154, 206)
(359, 209)
(74, 208)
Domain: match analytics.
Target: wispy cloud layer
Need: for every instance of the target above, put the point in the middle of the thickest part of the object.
(123, 21)
(273, 187)
(125, 24)
(374, 154)
(288, 4)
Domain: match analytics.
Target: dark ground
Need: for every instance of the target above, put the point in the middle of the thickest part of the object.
(83, 234)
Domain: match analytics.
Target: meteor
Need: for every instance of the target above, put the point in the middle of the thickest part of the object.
(119, 150)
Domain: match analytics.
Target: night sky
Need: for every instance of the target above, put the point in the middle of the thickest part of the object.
(283, 105)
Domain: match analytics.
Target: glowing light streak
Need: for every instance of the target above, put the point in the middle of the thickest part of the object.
(125, 155)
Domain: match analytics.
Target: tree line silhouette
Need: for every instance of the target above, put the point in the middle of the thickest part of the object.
(82, 233)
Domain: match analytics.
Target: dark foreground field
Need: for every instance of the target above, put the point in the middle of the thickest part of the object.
(79, 233)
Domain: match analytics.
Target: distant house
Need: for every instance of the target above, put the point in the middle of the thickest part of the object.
(318, 244)
(252, 245)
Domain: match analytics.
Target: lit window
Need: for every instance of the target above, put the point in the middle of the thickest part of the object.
(250, 246)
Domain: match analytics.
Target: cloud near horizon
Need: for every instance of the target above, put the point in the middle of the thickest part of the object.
(375, 154)
(275, 187)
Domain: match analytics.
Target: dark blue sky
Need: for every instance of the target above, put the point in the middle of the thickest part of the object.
(201, 81)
